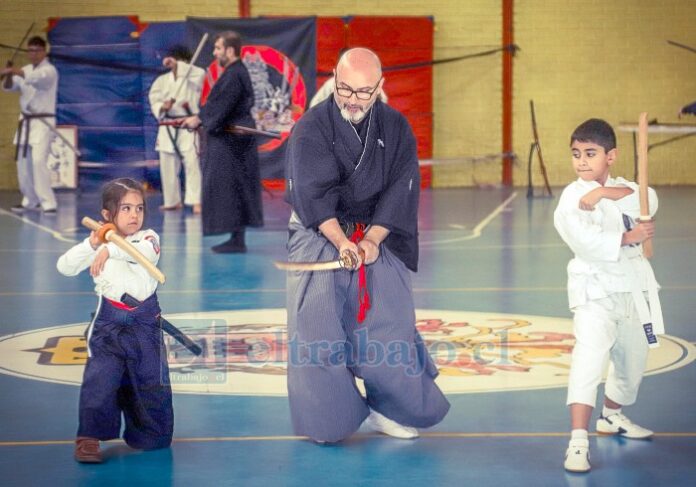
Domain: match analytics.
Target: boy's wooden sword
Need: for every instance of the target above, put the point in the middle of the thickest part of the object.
(643, 178)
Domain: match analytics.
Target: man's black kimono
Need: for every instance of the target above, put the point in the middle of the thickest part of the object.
(231, 186)
(365, 173)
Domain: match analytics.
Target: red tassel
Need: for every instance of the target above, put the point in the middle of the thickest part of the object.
(363, 295)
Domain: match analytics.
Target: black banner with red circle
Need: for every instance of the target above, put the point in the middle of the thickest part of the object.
(280, 55)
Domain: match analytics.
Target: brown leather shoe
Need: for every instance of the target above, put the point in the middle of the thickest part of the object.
(87, 450)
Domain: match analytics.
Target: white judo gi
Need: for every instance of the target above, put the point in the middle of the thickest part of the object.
(177, 146)
(37, 103)
(612, 292)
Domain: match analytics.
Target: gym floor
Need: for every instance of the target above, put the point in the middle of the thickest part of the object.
(492, 306)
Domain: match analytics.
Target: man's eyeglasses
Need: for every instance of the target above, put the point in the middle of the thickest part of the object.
(360, 95)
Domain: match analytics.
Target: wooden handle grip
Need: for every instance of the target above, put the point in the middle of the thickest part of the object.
(643, 177)
(127, 247)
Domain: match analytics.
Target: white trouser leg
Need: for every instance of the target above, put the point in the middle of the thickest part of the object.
(595, 332)
(629, 355)
(170, 165)
(192, 169)
(42, 174)
(25, 175)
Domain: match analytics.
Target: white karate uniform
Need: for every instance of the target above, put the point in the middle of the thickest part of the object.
(38, 89)
(165, 88)
(121, 274)
(607, 289)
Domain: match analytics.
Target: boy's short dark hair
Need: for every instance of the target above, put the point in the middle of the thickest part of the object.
(180, 53)
(36, 41)
(597, 131)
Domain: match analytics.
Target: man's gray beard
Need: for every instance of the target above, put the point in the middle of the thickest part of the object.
(357, 118)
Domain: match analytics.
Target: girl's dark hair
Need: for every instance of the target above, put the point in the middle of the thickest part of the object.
(114, 191)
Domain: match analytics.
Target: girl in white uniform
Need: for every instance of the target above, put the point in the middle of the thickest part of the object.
(126, 372)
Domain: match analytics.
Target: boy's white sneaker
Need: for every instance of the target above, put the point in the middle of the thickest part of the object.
(577, 457)
(618, 424)
(382, 424)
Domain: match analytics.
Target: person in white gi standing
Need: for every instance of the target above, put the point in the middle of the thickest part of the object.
(611, 289)
(37, 83)
(176, 95)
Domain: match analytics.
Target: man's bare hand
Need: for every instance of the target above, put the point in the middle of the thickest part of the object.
(169, 62)
(349, 246)
(370, 249)
(166, 106)
(191, 123)
(11, 71)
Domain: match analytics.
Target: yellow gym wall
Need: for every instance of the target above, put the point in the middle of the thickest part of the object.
(608, 59)
(578, 59)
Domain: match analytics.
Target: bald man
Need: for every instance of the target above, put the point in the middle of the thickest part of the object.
(353, 183)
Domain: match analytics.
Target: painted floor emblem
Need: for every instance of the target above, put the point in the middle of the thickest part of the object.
(246, 352)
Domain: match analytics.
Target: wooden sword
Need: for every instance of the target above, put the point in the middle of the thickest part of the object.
(110, 235)
(643, 178)
(347, 260)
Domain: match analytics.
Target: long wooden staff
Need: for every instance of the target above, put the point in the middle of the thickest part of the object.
(188, 72)
(191, 63)
(538, 149)
(10, 63)
(643, 178)
(110, 235)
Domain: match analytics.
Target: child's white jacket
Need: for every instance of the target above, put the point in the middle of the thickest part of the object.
(121, 274)
(601, 266)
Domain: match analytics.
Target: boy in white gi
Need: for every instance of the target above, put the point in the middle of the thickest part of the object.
(611, 289)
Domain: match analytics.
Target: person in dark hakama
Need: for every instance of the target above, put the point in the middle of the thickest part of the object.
(231, 187)
(352, 160)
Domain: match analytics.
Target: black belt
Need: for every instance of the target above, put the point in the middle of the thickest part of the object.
(347, 227)
(26, 119)
(174, 138)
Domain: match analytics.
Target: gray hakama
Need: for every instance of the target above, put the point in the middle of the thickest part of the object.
(328, 348)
